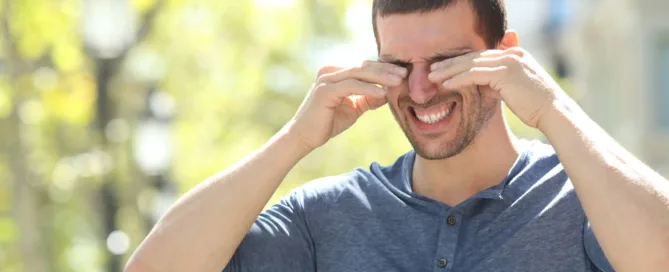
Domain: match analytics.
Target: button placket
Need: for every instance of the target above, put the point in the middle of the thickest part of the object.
(448, 238)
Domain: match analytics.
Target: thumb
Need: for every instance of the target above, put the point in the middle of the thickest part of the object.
(364, 103)
(376, 102)
(328, 70)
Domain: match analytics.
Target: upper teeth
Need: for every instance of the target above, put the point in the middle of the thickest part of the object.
(433, 118)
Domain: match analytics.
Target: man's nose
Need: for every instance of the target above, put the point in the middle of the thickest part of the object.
(421, 89)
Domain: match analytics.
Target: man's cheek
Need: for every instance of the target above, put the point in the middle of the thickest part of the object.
(471, 95)
(392, 99)
(487, 93)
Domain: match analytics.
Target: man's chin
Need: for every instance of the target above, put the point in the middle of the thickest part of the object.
(435, 149)
(439, 147)
(433, 154)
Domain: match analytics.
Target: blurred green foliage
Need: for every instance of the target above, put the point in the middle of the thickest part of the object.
(237, 70)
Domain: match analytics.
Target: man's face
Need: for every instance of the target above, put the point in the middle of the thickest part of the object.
(439, 123)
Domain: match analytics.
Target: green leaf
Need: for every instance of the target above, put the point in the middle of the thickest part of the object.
(9, 233)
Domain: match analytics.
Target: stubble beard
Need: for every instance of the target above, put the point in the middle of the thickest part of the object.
(479, 111)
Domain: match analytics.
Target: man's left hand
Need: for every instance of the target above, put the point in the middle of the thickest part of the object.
(512, 75)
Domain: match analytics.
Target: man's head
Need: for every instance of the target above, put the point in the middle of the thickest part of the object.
(414, 34)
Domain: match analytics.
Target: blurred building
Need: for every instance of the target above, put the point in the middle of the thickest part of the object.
(535, 21)
(618, 52)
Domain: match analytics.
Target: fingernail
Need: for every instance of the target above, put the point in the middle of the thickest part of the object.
(445, 84)
(435, 65)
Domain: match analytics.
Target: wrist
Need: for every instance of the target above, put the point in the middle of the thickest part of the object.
(556, 115)
(292, 141)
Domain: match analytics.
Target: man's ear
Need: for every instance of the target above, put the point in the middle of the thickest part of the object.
(509, 40)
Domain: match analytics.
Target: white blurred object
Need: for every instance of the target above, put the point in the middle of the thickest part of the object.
(152, 147)
(162, 105)
(350, 52)
(153, 142)
(118, 242)
(108, 27)
(145, 64)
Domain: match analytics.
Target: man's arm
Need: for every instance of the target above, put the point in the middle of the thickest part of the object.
(202, 231)
(625, 201)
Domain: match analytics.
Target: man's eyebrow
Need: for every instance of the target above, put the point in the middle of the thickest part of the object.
(439, 56)
(393, 60)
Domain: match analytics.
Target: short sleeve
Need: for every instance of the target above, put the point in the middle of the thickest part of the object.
(594, 251)
(278, 240)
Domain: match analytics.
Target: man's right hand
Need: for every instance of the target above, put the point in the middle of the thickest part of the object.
(339, 97)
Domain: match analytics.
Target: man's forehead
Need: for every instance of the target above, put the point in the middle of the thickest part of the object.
(429, 40)
(423, 35)
(411, 47)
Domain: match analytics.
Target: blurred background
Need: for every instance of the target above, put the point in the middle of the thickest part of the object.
(111, 109)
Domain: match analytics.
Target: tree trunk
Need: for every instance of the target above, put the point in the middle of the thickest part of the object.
(26, 199)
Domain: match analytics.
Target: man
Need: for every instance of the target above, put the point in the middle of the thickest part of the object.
(469, 197)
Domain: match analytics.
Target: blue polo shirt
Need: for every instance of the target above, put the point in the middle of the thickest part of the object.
(371, 220)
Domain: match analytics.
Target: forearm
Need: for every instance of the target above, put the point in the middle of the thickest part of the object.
(203, 229)
(626, 202)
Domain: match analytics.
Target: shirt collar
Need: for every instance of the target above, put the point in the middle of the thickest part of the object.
(495, 192)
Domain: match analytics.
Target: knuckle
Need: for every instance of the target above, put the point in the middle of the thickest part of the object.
(324, 70)
(516, 51)
(512, 59)
(322, 79)
(320, 86)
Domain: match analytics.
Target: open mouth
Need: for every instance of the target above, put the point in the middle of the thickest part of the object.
(433, 115)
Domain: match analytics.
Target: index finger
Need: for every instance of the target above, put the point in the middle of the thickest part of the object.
(443, 70)
(465, 58)
(374, 72)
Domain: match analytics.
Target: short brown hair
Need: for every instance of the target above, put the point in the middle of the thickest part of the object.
(490, 15)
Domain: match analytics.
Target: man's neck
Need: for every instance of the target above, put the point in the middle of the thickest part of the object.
(483, 164)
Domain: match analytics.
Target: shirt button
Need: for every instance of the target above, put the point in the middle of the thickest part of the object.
(451, 220)
(441, 263)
